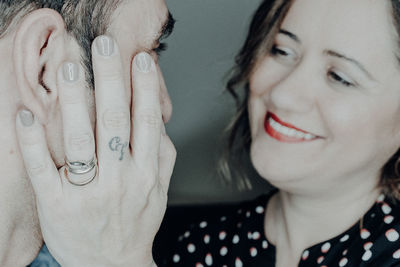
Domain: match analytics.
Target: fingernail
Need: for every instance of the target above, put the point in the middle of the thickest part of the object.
(71, 72)
(105, 45)
(143, 62)
(26, 117)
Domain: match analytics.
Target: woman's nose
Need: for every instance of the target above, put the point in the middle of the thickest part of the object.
(296, 92)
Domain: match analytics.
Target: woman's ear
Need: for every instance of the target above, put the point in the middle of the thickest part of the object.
(39, 47)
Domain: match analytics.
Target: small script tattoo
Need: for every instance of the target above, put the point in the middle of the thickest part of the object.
(116, 145)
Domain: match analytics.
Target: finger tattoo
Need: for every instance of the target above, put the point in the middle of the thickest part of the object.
(115, 144)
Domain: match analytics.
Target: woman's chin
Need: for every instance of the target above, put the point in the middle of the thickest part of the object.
(279, 173)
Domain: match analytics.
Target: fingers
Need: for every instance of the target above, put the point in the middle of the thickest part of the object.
(147, 118)
(112, 103)
(37, 159)
(79, 141)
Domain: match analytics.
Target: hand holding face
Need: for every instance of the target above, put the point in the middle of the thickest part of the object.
(106, 214)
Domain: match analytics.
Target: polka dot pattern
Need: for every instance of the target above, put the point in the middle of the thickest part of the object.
(265, 244)
(325, 247)
(207, 239)
(238, 263)
(176, 258)
(386, 208)
(253, 251)
(364, 233)
(305, 255)
(222, 235)
(392, 235)
(223, 251)
(344, 238)
(236, 238)
(367, 255)
(396, 254)
(368, 245)
(388, 219)
(203, 224)
(191, 248)
(343, 262)
(209, 259)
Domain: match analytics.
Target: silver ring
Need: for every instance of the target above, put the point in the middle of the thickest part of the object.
(79, 168)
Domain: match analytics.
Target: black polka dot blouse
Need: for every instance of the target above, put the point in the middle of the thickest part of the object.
(237, 239)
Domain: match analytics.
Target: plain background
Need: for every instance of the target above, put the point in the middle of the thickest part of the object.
(201, 51)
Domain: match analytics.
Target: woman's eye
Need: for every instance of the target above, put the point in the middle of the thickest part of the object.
(340, 78)
(284, 53)
(278, 51)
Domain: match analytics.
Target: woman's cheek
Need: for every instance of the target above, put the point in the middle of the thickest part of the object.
(267, 75)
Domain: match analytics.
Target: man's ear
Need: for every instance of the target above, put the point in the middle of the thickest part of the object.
(39, 45)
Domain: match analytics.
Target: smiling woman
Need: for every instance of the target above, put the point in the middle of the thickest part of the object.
(320, 118)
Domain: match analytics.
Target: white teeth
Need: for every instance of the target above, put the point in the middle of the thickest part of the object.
(308, 137)
(292, 132)
(285, 130)
(300, 134)
(289, 131)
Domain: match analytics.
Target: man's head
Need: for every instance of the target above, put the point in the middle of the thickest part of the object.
(36, 37)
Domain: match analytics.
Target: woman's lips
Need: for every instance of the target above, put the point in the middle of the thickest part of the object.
(285, 132)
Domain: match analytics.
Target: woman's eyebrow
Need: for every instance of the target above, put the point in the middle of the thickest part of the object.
(290, 35)
(351, 60)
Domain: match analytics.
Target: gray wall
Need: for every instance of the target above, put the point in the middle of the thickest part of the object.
(207, 35)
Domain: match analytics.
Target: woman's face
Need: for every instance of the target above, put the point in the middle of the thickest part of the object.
(325, 103)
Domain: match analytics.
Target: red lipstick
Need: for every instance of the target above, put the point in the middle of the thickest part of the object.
(283, 137)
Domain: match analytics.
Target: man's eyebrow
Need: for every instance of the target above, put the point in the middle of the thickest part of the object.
(351, 60)
(167, 28)
(290, 35)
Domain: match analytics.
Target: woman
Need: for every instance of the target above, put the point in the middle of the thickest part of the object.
(320, 119)
(322, 113)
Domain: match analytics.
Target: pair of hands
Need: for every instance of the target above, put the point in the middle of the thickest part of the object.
(112, 221)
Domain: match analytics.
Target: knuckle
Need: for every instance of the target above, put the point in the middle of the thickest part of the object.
(31, 137)
(80, 142)
(150, 118)
(71, 96)
(168, 149)
(110, 70)
(36, 168)
(147, 85)
(116, 119)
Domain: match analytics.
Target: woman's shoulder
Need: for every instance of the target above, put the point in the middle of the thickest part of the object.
(380, 233)
(373, 241)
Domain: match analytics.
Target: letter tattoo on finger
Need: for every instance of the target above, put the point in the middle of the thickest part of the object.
(115, 144)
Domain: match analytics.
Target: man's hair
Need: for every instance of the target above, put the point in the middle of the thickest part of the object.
(84, 20)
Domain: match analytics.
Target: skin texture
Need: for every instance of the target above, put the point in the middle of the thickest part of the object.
(135, 26)
(112, 220)
(332, 180)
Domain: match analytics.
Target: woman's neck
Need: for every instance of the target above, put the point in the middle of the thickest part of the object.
(295, 222)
